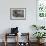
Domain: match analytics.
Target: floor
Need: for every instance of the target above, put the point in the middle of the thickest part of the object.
(13, 44)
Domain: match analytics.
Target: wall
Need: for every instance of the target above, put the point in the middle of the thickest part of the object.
(24, 25)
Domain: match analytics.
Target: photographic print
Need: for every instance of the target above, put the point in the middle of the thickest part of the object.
(41, 8)
(17, 13)
(41, 12)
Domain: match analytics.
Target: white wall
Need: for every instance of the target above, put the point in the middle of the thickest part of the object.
(24, 25)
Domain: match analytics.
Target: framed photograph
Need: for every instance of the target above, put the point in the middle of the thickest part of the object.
(17, 13)
(41, 8)
(41, 12)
